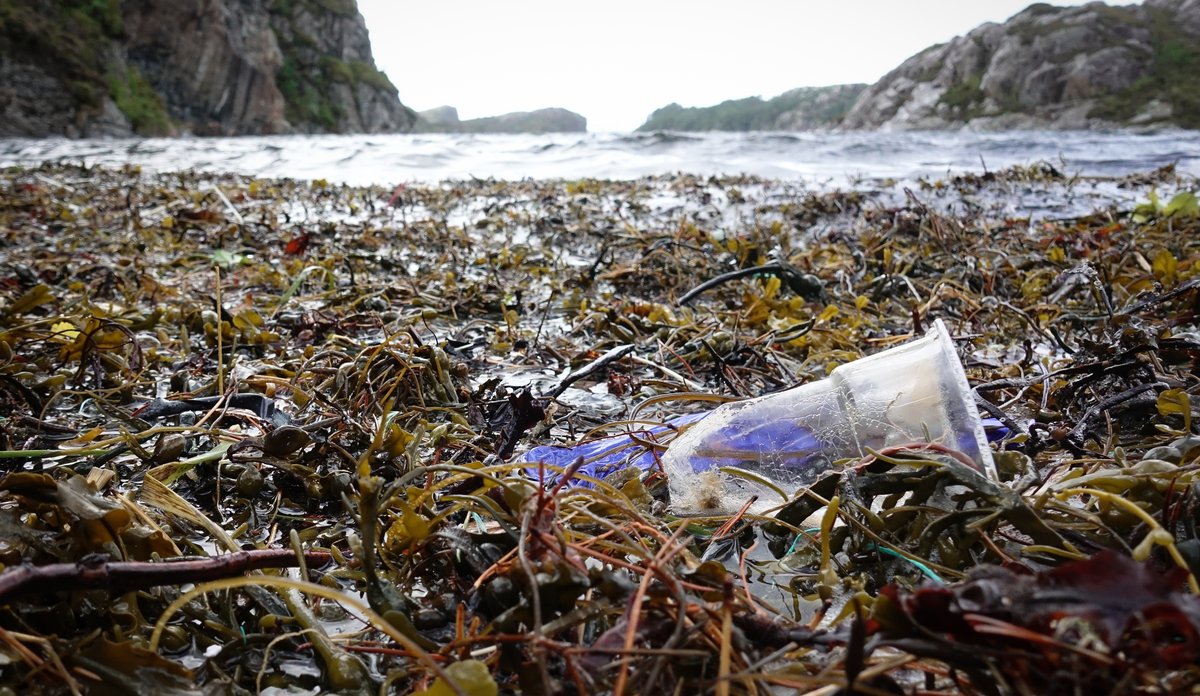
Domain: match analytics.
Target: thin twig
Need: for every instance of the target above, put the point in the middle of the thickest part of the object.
(95, 573)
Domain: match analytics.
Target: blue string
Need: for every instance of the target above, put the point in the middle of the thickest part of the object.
(925, 570)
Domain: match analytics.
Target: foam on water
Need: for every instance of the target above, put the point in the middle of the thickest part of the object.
(823, 159)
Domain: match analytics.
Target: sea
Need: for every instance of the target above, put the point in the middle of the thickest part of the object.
(820, 159)
(1091, 170)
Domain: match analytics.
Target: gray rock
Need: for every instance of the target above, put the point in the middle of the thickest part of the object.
(1153, 112)
(329, 51)
(213, 63)
(32, 102)
(1106, 71)
(1185, 13)
(109, 122)
(1048, 67)
(209, 67)
(819, 107)
(1043, 85)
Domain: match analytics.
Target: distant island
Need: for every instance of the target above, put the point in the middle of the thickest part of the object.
(444, 119)
(1092, 66)
(806, 108)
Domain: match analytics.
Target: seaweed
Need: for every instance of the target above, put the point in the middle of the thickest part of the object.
(265, 433)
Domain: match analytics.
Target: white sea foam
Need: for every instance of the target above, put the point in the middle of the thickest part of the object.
(819, 159)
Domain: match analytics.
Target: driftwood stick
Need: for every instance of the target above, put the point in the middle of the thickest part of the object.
(611, 356)
(95, 573)
(806, 285)
(1080, 428)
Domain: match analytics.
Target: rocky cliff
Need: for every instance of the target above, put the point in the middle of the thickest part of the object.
(209, 67)
(1050, 67)
(806, 108)
(444, 119)
(814, 108)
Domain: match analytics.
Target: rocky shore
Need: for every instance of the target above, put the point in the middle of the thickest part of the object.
(1047, 67)
(1089, 66)
(219, 67)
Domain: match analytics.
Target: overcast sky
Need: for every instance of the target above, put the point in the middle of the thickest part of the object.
(618, 60)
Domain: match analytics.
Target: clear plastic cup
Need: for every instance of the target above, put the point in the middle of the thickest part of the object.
(913, 393)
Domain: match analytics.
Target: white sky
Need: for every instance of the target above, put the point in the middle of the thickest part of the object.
(618, 60)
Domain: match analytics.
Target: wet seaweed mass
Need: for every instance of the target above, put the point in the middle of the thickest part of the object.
(265, 435)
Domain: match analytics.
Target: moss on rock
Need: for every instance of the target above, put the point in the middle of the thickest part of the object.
(1174, 77)
(964, 98)
(306, 101)
(140, 103)
(70, 39)
(309, 70)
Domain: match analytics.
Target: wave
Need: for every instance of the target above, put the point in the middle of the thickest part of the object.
(652, 138)
(827, 158)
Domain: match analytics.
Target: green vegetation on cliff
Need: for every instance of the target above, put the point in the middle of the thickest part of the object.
(811, 107)
(301, 88)
(67, 37)
(307, 72)
(1174, 77)
(140, 103)
(73, 40)
(346, 8)
(1086, 66)
(965, 98)
(115, 67)
(751, 113)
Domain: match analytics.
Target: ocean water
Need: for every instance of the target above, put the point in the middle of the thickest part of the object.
(820, 160)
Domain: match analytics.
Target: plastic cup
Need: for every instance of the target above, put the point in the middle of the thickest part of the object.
(913, 393)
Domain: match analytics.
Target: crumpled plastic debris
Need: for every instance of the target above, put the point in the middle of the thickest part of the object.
(607, 455)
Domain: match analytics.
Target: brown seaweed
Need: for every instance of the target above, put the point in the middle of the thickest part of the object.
(195, 366)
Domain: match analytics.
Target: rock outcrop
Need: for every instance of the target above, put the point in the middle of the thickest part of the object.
(440, 116)
(816, 108)
(1050, 67)
(208, 67)
(444, 119)
(806, 108)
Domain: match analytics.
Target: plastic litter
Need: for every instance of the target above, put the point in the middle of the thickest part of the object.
(606, 455)
(913, 393)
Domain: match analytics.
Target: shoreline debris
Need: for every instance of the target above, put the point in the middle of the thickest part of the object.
(177, 382)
